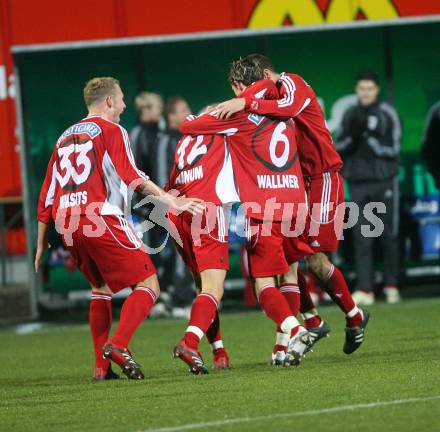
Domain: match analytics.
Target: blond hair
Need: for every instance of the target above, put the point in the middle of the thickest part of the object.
(146, 100)
(97, 89)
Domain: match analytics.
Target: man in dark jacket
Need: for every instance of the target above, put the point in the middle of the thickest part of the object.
(149, 107)
(175, 112)
(369, 142)
(175, 275)
(431, 143)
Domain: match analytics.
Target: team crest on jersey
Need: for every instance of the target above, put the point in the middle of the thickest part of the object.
(92, 130)
(255, 118)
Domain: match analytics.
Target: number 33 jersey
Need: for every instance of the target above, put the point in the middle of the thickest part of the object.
(89, 171)
(264, 156)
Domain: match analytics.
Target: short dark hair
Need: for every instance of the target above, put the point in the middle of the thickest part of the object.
(249, 69)
(170, 104)
(368, 76)
(260, 62)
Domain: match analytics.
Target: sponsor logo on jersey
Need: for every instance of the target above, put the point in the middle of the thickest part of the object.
(89, 128)
(190, 175)
(277, 181)
(255, 118)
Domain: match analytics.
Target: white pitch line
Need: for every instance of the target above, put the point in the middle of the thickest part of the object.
(341, 408)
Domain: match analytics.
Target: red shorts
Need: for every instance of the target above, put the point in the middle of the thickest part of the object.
(204, 239)
(296, 248)
(326, 211)
(107, 250)
(270, 250)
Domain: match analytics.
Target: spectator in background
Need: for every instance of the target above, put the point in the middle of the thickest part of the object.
(174, 275)
(431, 143)
(175, 112)
(369, 142)
(143, 137)
(149, 108)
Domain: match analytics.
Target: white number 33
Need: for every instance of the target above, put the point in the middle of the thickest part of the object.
(82, 160)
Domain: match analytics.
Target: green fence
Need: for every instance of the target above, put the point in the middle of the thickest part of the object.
(405, 57)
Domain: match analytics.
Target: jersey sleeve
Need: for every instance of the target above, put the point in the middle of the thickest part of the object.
(47, 192)
(209, 124)
(295, 98)
(119, 150)
(171, 182)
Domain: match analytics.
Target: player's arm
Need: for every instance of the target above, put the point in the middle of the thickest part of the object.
(209, 124)
(179, 203)
(295, 98)
(119, 150)
(42, 244)
(44, 210)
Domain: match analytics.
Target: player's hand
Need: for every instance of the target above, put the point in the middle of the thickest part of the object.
(209, 109)
(39, 255)
(232, 106)
(191, 205)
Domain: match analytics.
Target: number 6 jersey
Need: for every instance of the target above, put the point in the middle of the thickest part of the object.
(90, 169)
(264, 157)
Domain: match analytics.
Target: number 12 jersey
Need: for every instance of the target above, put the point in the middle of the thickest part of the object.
(264, 156)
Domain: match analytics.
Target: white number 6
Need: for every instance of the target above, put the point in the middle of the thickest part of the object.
(279, 137)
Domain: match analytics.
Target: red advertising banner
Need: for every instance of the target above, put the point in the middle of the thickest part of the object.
(274, 13)
(9, 158)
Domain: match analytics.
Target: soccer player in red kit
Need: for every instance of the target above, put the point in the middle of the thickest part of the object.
(320, 164)
(202, 168)
(84, 192)
(268, 175)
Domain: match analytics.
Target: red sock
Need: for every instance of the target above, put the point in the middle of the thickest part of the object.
(203, 312)
(214, 334)
(306, 301)
(313, 321)
(135, 309)
(354, 317)
(307, 309)
(100, 319)
(277, 309)
(292, 294)
(337, 289)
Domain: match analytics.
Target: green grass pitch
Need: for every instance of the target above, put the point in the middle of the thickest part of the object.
(392, 383)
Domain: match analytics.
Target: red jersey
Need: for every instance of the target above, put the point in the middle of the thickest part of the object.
(90, 168)
(264, 155)
(203, 169)
(315, 144)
